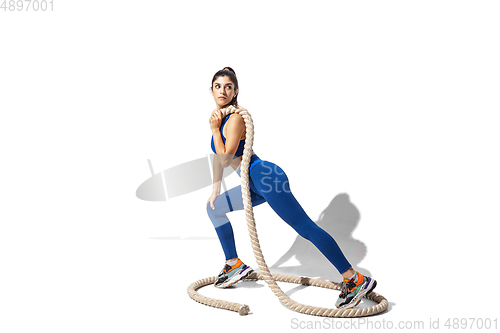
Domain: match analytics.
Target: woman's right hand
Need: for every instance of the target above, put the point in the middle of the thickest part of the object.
(215, 120)
(212, 199)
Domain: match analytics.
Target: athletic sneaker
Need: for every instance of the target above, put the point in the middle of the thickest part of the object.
(352, 292)
(232, 274)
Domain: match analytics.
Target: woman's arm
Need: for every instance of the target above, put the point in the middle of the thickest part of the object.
(224, 152)
(217, 182)
(217, 175)
(235, 127)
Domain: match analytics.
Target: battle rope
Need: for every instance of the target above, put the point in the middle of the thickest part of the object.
(265, 274)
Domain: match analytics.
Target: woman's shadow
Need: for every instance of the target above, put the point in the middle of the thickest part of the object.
(339, 219)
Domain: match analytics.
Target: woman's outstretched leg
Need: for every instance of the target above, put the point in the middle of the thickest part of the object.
(272, 183)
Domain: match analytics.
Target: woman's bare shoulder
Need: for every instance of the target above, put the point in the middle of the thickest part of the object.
(236, 125)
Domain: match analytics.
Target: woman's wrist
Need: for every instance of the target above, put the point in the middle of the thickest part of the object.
(215, 131)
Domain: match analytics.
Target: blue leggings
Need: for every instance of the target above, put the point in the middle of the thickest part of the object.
(269, 183)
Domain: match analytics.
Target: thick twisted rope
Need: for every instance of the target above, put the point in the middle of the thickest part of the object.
(265, 274)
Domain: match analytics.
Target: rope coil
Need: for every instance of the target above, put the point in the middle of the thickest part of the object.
(265, 274)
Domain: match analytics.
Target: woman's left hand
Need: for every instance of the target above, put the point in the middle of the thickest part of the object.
(213, 197)
(215, 120)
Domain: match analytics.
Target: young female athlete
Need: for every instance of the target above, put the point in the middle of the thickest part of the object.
(268, 183)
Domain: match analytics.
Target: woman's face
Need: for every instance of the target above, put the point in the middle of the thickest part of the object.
(223, 91)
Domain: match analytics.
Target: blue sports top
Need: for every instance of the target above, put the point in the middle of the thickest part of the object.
(241, 146)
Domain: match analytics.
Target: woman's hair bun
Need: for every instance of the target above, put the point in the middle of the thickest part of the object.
(229, 69)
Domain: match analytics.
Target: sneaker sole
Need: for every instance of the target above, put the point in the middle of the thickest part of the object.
(237, 277)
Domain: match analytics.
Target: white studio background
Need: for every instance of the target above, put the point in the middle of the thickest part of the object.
(392, 102)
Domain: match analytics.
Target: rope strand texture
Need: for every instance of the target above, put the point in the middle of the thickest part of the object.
(265, 274)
